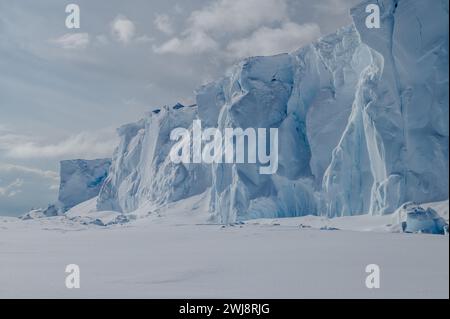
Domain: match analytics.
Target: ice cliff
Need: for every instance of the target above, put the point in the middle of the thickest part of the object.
(307, 95)
(403, 97)
(395, 147)
(362, 117)
(80, 180)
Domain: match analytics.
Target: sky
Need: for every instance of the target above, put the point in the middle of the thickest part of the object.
(63, 92)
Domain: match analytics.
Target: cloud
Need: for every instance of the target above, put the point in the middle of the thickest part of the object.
(82, 145)
(144, 39)
(8, 139)
(332, 7)
(240, 29)
(222, 17)
(163, 23)
(178, 8)
(123, 29)
(271, 41)
(238, 15)
(72, 41)
(22, 188)
(191, 43)
(12, 189)
(18, 169)
(101, 39)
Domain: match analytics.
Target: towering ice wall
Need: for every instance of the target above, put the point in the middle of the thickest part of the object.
(362, 116)
(371, 119)
(257, 95)
(406, 116)
(308, 96)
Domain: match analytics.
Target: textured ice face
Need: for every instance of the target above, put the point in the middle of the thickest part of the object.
(80, 180)
(257, 96)
(416, 219)
(370, 117)
(405, 103)
(308, 96)
(143, 173)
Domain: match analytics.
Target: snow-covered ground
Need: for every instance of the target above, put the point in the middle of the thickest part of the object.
(173, 254)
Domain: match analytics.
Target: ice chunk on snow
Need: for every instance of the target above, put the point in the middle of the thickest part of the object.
(416, 219)
(50, 211)
(103, 218)
(86, 214)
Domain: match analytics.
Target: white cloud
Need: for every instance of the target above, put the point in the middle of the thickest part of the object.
(240, 29)
(101, 39)
(163, 23)
(72, 41)
(270, 41)
(9, 139)
(144, 39)
(23, 187)
(82, 145)
(18, 169)
(191, 43)
(238, 15)
(222, 18)
(123, 29)
(12, 189)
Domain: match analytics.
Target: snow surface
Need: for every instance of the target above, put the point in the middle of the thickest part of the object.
(174, 254)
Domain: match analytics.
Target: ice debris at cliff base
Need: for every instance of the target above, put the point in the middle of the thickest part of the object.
(416, 219)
